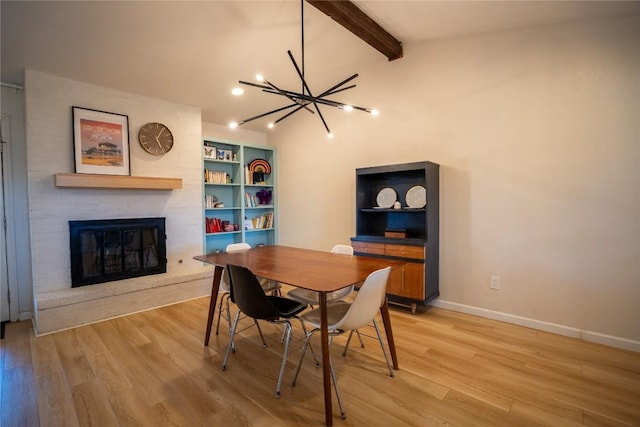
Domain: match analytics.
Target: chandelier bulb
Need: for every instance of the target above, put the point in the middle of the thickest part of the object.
(233, 125)
(271, 125)
(347, 108)
(260, 78)
(374, 112)
(330, 135)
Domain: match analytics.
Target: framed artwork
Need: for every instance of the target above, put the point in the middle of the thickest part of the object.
(225, 155)
(209, 152)
(100, 142)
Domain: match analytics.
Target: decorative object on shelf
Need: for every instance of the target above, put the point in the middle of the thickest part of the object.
(396, 233)
(396, 205)
(416, 197)
(209, 152)
(155, 138)
(101, 142)
(257, 169)
(386, 198)
(305, 98)
(264, 197)
(225, 155)
(260, 165)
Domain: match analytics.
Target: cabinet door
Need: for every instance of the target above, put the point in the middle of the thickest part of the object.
(413, 284)
(394, 283)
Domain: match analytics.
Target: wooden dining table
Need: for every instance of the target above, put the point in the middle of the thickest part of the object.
(314, 270)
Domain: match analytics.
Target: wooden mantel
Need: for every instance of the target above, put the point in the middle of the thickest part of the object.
(86, 180)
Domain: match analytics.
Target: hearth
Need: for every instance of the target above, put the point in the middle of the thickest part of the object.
(106, 250)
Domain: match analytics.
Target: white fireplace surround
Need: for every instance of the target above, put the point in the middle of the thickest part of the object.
(49, 137)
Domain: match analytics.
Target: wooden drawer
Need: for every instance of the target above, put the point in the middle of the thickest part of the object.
(368, 248)
(404, 251)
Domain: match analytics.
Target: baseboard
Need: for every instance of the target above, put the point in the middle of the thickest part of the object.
(590, 336)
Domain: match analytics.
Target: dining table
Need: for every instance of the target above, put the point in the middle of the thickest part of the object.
(310, 269)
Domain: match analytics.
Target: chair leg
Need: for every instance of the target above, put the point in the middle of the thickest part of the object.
(346, 347)
(284, 358)
(232, 335)
(220, 313)
(343, 415)
(264, 343)
(313, 353)
(302, 354)
(384, 351)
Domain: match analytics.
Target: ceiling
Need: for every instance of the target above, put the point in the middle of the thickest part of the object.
(193, 53)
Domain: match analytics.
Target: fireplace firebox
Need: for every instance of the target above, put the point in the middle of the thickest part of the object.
(115, 249)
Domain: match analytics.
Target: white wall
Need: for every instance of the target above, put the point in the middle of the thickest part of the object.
(50, 150)
(221, 132)
(537, 133)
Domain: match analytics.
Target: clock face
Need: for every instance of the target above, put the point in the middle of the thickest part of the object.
(155, 138)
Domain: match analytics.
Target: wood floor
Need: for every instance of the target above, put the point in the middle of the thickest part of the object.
(151, 369)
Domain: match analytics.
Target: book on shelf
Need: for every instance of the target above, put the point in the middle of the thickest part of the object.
(262, 221)
(216, 177)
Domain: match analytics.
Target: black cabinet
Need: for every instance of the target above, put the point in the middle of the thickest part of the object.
(409, 232)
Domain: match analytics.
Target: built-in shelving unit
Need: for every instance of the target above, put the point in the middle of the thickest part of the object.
(404, 233)
(228, 181)
(97, 181)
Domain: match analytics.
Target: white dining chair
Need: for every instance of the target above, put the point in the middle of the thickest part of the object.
(344, 316)
(306, 296)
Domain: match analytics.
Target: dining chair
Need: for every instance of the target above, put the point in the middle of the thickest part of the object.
(247, 293)
(306, 296)
(268, 286)
(344, 316)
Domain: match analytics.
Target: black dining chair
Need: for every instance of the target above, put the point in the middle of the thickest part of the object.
(249, 297)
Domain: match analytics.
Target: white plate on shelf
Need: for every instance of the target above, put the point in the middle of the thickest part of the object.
(416, 197)
(386, 197)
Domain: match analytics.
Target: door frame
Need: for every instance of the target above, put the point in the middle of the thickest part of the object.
(9, 250)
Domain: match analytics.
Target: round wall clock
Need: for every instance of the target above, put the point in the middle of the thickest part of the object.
(155, 138)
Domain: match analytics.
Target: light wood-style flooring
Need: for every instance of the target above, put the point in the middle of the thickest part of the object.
(151, 369)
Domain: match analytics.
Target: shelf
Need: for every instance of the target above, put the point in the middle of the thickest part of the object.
(85, 180)
(409, 210)
(221, 233)
(222, 184)
(223, 209)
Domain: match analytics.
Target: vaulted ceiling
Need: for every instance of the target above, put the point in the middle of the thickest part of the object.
(194, 52)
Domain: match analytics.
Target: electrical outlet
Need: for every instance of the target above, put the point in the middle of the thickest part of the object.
(495, 282)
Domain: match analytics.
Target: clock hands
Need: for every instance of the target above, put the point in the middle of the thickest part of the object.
(158, 141)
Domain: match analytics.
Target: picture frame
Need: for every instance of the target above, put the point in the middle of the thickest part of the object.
(224, 155)
(100, 142)
(209, 152)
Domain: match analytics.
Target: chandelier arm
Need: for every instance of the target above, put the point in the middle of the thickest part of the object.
(241, 122)
(348, 79)
(342, 104)
(285, 94)
(322, 118)
(339, 90)
(253, 84)
(300, 74)
(288, 114)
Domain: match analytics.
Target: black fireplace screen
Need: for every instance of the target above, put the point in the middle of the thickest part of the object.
(108, 250)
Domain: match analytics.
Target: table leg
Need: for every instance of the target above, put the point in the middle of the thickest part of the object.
(326, 370)
(386, 319)
(215, 287)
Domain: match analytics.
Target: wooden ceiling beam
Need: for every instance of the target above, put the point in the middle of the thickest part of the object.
(347, 14)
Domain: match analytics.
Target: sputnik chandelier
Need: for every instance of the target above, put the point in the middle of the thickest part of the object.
(303, 99)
